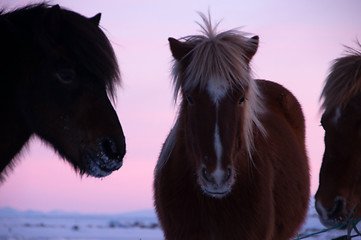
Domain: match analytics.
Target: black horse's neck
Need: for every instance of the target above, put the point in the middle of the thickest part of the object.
(14, 135)
(13, 132)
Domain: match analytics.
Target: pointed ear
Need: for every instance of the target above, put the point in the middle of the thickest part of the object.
(179, 49)
(252, 47)
(55, 7)
(53, 11)
(52, 18)
(96, 19)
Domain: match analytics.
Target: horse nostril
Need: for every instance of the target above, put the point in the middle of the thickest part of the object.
(111, 149)
(337, 209)
(205, 175)
(229, 174)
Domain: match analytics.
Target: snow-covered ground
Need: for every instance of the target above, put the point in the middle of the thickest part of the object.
(29, 225)
(142, 225)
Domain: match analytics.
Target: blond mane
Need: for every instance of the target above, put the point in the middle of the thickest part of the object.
(343, 81)
(222, 56)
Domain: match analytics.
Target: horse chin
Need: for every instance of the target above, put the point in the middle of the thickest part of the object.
(216, 193)
(216, 186)
(340, 214)
(99, 165)
(337, 221)
(334, 222)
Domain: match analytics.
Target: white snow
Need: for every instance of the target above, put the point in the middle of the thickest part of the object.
(70, 226)
(142, 225)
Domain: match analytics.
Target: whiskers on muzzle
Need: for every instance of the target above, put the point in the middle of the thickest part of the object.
(336, 214)
(105, 158)
(217, 183)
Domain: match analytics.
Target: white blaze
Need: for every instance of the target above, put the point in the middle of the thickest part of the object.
(217, 89)
(218, 173)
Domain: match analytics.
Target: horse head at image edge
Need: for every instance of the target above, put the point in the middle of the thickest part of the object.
(59, 73)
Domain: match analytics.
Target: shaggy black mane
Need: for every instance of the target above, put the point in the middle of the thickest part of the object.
(48, 27)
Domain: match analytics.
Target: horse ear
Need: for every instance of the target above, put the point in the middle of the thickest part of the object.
(96, 18)
(54, 10)
(52, 18)
(179, 49)
(55, 7)
(252, 47)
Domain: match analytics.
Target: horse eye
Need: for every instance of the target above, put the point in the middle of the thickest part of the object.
(65, 76)
(241, 100)
(189, 100)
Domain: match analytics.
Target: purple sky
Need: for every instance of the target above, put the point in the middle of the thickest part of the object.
(298, 40)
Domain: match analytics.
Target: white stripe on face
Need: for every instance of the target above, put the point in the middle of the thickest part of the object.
(218, 174)
(217, 90)
(217, 145)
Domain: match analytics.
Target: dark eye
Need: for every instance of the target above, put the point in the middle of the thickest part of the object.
(65, 76)
(241, 100)
(189, 99)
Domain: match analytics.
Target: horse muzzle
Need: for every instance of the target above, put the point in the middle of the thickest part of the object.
(335, 215)
(105, 158)
(217, 184)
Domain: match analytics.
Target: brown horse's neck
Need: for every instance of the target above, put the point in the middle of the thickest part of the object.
(14, 135)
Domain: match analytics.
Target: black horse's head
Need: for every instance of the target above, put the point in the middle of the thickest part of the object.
(68, 71)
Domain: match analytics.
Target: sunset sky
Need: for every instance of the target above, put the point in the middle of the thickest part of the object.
(298, 41)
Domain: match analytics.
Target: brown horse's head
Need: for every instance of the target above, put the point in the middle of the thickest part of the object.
(212, 75)
(339, 193)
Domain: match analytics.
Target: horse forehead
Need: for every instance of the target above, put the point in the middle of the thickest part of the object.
(217, 89)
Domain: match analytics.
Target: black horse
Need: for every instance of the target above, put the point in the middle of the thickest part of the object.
(57, 69)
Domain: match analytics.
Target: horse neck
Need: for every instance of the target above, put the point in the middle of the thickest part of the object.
(14, 133)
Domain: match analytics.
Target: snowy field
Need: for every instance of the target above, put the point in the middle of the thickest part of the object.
(16, 225)
(142, 225)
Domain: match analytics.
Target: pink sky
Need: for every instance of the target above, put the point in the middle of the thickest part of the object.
(298, 40)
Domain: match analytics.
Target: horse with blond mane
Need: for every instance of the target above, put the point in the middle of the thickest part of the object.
(234, 166)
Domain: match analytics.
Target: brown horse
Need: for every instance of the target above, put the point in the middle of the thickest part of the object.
(234, 166)
(339, 192)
